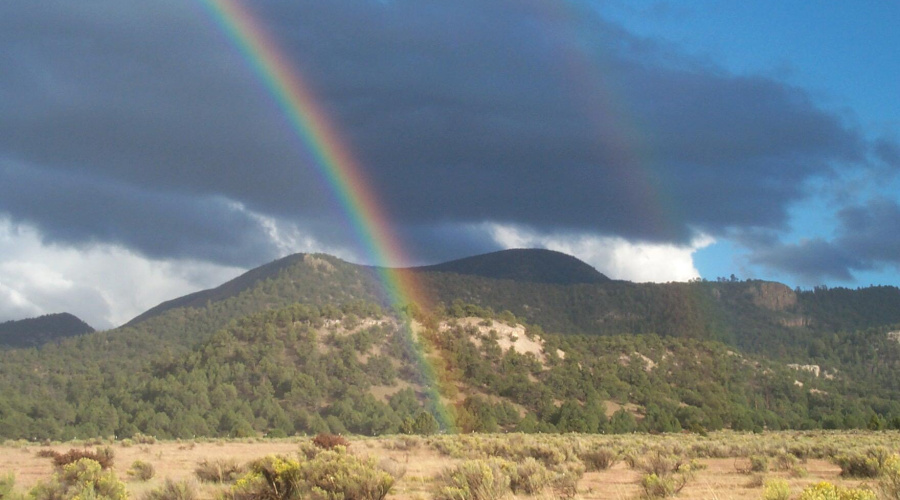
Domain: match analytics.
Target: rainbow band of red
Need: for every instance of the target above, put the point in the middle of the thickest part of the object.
(339, 168)
(332, 156)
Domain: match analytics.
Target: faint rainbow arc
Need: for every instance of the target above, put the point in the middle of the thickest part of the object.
(334, 161)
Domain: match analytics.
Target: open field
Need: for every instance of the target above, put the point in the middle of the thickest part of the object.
(721, 467)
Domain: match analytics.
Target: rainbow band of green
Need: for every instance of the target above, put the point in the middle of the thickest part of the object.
(312, 125)
(334, 161)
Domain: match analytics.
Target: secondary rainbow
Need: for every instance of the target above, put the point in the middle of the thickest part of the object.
(333, 159)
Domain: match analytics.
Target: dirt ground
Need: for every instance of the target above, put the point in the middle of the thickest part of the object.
(720, 480)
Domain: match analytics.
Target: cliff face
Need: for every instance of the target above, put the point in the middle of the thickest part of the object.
(773, 296)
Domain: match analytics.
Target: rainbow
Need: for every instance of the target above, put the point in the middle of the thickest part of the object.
(335, 161)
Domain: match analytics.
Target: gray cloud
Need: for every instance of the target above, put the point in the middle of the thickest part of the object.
(810, 260)
(81, 208)
(871, 232)
(868, 238)
(138, 124)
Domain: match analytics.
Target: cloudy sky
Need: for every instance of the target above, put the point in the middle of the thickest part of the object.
(141, 156)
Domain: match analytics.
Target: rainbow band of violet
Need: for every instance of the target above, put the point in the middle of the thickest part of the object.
(340, 170)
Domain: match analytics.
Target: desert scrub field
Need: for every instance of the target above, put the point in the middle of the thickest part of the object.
(725, 465)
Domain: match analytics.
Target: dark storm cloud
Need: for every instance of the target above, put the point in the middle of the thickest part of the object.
(871, 232)
(461, 112)
(868, 238)
(478, 112)
(85, 209)
(810, 260)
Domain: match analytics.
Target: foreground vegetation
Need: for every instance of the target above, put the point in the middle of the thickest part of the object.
(770, 466)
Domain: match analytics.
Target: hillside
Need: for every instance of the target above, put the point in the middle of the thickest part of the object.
(555, 291)
(34, 332)
(306, 344)
(354, 369)
(296, 277)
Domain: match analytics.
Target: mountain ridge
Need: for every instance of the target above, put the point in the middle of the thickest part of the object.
(33, 332)
(521, 265)
(535, 265)
(569, 297)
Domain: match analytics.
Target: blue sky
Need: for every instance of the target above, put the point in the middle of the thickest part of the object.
(842, 53)
(142, 159)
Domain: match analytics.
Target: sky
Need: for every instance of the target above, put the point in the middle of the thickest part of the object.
(142, 157)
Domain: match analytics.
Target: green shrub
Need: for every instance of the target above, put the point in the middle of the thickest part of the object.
(331, 475)
(271, 478)
(308, 450)
(799, 472)
(404, 443)
(529, 477)
(7, 485)
(801, 451)
(827, 491)
(172, 490)
(654, 486)
(475, 480)
(341, 475)
(756, 480)
(858, 465)
(759, 463)
(82, 479)
(785, 461)
(567, 476)
(889, 482)
(865, 465)
(143, 439)
(220, 470)
(599, 459)
(661, 464)
(141, 471)
(776, 489)
(546, 453)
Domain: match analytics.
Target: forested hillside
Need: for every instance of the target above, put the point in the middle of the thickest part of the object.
(755, 316)
(307, 344)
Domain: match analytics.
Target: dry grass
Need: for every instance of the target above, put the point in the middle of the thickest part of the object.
(422, 463)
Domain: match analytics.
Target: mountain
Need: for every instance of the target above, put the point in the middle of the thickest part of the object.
(34, 332)
(557, 292)
(303, 272)
(226, 290)
(522, 265)
(520, 340)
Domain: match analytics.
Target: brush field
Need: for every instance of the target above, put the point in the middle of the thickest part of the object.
(723, 465)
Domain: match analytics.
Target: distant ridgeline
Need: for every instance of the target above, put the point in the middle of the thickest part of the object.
(525, 340)
(37, 331)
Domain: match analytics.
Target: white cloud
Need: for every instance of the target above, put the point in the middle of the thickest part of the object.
(613, 256)
(105, 285)
(288, 238)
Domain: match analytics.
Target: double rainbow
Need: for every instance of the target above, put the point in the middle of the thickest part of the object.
(335, 162)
